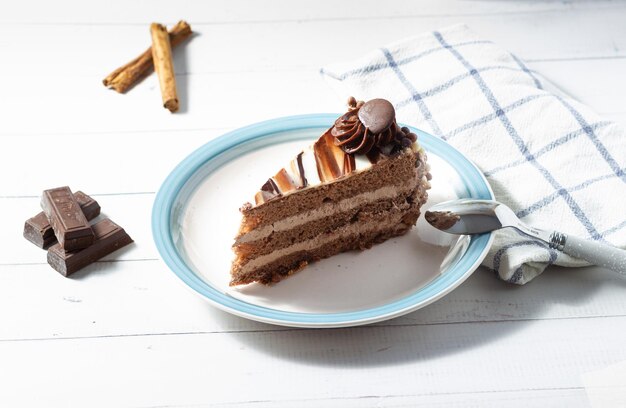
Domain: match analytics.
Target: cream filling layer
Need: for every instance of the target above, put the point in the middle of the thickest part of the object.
(325, 210)
(318, 241)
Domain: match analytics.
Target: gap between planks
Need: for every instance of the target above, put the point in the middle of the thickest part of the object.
(128, 193)
(284, 329)
(380, 397)
(565, 8)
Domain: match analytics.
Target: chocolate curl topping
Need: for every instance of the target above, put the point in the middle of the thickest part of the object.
(328, 158)
(367, 126)
(268, 191)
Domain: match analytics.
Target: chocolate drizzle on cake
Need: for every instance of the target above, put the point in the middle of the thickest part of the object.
(329, 158)
(303, 181)
(268, 191)
(349, 164)
(368, 131)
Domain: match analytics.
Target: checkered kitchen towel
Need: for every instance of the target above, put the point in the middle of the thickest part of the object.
(550, 158)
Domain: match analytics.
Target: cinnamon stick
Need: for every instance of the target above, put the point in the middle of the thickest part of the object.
(126, 76)
(164, 66)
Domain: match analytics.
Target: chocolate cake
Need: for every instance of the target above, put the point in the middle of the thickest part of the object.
(362, 182)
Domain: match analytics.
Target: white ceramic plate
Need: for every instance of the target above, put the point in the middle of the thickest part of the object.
(196, 217)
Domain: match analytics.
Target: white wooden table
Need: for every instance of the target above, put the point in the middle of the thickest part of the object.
(125, 332)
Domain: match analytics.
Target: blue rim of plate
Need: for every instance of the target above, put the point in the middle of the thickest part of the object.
(473, 179)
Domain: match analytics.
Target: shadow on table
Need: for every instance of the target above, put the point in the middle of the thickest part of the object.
(483, 310)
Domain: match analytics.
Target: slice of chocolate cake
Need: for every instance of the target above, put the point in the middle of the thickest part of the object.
(361, 183)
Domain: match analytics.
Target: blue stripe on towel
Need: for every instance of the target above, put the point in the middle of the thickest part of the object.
(526, 70)
(548, 199)
(551, 146)
(415, 96)
(440, 88)
(488, 118)
(577, 211)
(594, 139)
(517, 275)
(368, 69)
(614, 229)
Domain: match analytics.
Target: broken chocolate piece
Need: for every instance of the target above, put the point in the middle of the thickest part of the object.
(109, 238)
(38, 230)
(66, 219)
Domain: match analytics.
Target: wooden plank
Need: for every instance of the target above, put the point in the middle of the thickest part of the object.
(250, 11)
(96, 50)
(216, 102)
(207, 102)
(113, 163)
(86, 50)
(555, 398)
(306, 364)
(128, 298)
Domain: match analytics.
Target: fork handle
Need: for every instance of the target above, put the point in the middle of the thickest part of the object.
(594, 252)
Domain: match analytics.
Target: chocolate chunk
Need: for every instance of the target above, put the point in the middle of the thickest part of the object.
(67, 219)
(377, 115)
(109, 238)
(38, 230)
